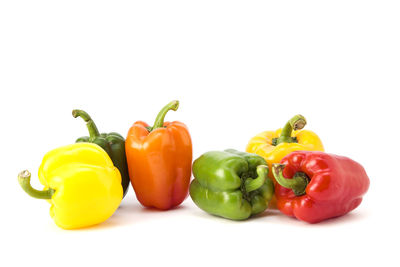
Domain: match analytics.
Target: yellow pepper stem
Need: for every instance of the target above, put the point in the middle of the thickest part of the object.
(24, 179)
(296, 123)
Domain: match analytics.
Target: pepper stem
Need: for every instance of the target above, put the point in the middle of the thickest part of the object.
(296, 123)
(24, 179)
(253, 184)
(298, 183)
(159, 122)
(93, 131)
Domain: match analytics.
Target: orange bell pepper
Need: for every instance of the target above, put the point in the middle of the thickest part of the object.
(160, 160)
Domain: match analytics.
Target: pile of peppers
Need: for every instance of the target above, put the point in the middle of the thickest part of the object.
(286, 169)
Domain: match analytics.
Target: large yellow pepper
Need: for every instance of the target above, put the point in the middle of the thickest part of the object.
(274, 145)
(81, 183)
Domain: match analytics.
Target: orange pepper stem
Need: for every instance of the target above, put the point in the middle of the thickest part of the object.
(298, 183)
(93, 131)
(24, 179)
(296, 123)
(159, 122)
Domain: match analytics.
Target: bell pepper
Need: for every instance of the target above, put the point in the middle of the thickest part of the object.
(314, 186)
(81, 183)
(159, 160)
(274, 145)
(112, 143)
(231, 184)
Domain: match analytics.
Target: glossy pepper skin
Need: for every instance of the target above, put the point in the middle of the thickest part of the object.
(314, 186)
(274, 145)
(112, 143)
(81, 183)
(231, 184)
(159, 161)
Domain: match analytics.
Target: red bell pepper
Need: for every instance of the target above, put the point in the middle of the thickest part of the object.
(314, 186)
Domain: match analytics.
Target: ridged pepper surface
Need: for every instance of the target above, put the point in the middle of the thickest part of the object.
(159, 160)
(81, 183)
(113, 143)
(231, 184)
(313, 186)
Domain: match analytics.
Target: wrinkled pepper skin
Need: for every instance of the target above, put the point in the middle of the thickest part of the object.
(266, 144)
(231, 184)
(81, 183)
(333, 185)
(159, 161)
(112, 143)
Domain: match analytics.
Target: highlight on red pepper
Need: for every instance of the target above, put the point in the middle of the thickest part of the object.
(315, 186)
(160, 160)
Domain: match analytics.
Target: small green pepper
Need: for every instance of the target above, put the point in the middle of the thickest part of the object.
(231, 184)
(112, 143)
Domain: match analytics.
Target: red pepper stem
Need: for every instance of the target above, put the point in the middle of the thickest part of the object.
(296, 123)
(159, 122)
(254, 184)
(24, 179)
(93, 131)
(298, 183)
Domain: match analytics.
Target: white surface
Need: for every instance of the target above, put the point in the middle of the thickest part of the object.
(238, 68)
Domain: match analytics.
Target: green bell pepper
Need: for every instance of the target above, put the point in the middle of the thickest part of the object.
(112, 143)
(231, 184)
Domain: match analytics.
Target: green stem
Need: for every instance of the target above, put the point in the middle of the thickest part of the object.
(24, 179)
(296, 123)
(159, 122)
(93, 131)
(298, 183)
(253, 184)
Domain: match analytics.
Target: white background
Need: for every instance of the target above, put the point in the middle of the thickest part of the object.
(238, 68)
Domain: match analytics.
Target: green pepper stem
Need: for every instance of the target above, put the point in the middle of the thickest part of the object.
(159, 122)
(93, 131)
(298, 183)
(24, 179)
(253, 184)
(296, 123)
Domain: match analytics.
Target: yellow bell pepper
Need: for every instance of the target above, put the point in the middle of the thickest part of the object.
(274, 145)
(81, 183)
